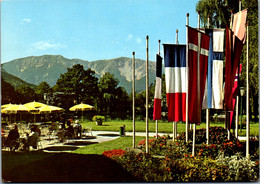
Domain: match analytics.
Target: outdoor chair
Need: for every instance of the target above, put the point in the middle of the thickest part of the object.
(69, 136)
(14, 144)
(39, 143)
(88, 130)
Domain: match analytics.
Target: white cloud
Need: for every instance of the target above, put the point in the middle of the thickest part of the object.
(129, 37)
(44, 45)
(138, 40)
(26, 21)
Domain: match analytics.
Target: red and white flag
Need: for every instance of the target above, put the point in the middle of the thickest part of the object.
(158, 89)
(235, 93)
(198, 51)
(235, 40)
(176, 81)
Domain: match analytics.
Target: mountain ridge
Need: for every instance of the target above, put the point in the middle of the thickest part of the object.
(36, 69)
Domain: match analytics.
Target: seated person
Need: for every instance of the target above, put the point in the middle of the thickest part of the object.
(70, 130)
(32, 138)
(77, 127)
(54, 126)
(13, 136)
(37, 129)
(61, 134)
(2, 132)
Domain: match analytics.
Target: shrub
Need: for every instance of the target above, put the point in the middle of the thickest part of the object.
(239, 168)
(142, 166)
(172, 161)
(98, 118)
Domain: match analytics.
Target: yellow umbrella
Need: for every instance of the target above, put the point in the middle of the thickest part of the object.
(34, 104)
(3, 107)
(14, 109)
(6, 105)
(82, 107)
(50, 108)
(19, 108)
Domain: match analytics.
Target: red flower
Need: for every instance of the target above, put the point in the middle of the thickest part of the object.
(112, 153)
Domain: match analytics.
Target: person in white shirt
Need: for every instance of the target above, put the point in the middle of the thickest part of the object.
(77, 127)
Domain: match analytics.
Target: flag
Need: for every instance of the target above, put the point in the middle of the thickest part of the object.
(198, 44)
(235, 40)
(235, 92)
(239, 25)
(175, 79)
(158, 88)
(213, 96)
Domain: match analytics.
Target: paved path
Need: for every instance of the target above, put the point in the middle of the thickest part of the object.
(48, 145)
(97, 137)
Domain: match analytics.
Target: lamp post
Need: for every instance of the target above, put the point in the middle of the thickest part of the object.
(242, 92)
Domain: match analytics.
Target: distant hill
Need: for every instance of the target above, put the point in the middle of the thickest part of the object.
(15, 81)
(36, 69)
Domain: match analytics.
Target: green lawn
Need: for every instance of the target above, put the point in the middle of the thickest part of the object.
(121, 142)
(163, 127)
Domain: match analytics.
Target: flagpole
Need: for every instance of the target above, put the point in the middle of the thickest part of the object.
(227, 121)
(247, 94)
(156, 122)
(237, 100)
(207, 112)
(198, 85)
(174, 123)
(177, 42)
(133, 92)
(187, 80)
(147, 93)
(208, 21)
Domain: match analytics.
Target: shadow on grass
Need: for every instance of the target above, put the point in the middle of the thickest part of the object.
(62, 167)
(61, 148)
(89, 137)
(108, 135)
(80, 143)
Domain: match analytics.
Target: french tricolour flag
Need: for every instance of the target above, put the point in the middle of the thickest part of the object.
(175, 78)
(158, 89)
(213, 97)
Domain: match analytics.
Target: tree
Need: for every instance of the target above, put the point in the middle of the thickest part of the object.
(113, 100)
(218, 11)
(25, 94)
(42, 88)
(252, 18)
(8, 92)
(107, 87)
(123, 106)
(82, 83)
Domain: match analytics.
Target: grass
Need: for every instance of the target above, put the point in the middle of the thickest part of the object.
(61, 167)
(86, 164)
(163, 127)
(10, 161)
(121, 142)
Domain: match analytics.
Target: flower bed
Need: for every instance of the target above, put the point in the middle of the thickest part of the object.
(220, 161)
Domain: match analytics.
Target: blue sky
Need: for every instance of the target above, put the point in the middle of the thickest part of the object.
(91, 29)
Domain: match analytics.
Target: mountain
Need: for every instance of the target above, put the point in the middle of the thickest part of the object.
(15, 81)
(36, 69)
